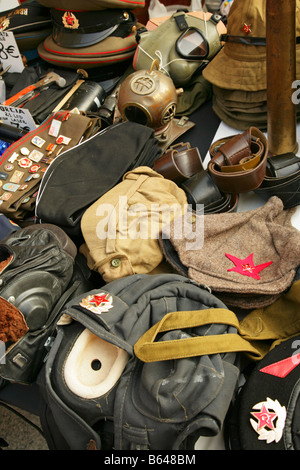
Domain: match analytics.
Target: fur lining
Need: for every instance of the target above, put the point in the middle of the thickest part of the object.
(12, 322)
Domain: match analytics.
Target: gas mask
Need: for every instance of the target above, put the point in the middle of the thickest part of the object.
(183, 44)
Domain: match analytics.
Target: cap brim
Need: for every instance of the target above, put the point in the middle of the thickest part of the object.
(75, 39)
(232, 74)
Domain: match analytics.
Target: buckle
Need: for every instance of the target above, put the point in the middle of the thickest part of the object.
(282, 165)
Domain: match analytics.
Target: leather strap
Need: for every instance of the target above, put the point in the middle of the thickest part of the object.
(176, 127)
(238, 163)
(179, 162)
(282, 179)
(201, 189)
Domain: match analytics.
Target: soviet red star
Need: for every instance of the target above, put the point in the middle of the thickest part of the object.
(98, 299)
(247, 28)
(246, 266)
(264, 417)
(70, 19)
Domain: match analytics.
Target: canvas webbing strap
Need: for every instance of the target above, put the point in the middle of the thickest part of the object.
(147, 350)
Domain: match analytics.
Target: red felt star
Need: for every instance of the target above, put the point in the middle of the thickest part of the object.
(264, 417)
(246, 266)
(98, 299)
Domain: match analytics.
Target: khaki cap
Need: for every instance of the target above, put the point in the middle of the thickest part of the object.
(243, 66)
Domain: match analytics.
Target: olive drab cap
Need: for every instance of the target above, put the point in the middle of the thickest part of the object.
(73, 5)
(242, 65)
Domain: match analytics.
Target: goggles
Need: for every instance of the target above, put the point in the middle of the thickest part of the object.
(192, 45)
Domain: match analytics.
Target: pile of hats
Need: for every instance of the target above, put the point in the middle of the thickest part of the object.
(90, 34)
(238, 72)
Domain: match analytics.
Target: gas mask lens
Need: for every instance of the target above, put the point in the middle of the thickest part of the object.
(192, 45)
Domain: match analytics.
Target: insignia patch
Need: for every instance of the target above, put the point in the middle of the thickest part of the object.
(247, 28)
(70, 21)
(97, 303)
(269, 420)
(246, 266)
(5, 24)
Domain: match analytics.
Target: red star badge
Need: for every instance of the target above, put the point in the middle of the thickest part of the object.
(70, 19)
(264, 417)
(246, 266)
(98, 299)
(247, 28)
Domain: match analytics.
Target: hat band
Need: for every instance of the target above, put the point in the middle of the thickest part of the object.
(250, 41)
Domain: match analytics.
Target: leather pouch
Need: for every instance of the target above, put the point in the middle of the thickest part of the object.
(24, 163)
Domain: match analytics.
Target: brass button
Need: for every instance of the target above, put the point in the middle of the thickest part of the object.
(115, 263)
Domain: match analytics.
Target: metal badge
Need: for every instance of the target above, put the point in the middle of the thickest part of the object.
(3, 176)
(5, 196)
(24, 151)
(38, 141)
(247, 28)
(62, 139)
(70, 21)
(269, 420)
(54, 128)
(8, 167)
(13, 157)
(97, 303)
(24, 163)
(5, 24)
(36, 156)
(34, 168)
(16, 176)
(12, 187)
